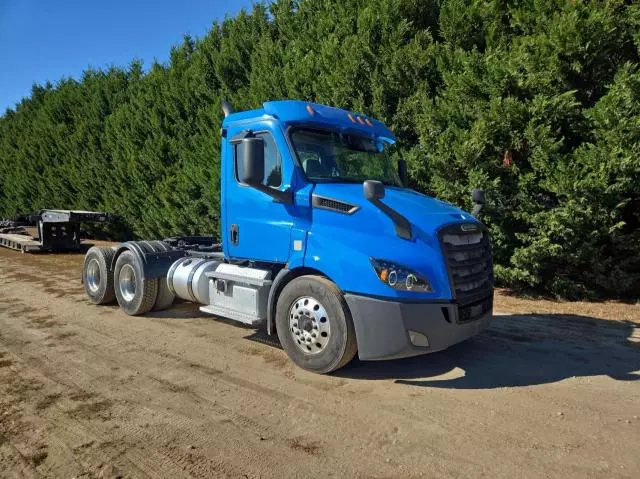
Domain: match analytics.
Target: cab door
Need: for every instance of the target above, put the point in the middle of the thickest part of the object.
(257, 227)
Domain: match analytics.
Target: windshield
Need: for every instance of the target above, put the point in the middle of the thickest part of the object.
(329, 156)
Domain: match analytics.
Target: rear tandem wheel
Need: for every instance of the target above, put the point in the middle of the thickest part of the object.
(97, 276)
(135, 295)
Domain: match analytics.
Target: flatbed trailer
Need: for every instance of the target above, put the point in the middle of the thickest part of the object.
(24, 243)
(58, 230)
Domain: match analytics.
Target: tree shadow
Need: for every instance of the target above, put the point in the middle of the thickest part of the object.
(260, 336)
(180, 309)
(520, 350)
(184, 310)
(533, 294)
(80, 250)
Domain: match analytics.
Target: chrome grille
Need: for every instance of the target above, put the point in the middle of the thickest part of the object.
(467, 253)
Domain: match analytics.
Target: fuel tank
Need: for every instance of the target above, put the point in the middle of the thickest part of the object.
(186, 278)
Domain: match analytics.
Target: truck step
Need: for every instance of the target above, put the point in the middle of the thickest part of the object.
(238, 293)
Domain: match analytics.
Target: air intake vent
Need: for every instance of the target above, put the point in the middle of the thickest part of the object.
(334, 205)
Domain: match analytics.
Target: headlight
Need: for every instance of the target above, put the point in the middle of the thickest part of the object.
(399, 277)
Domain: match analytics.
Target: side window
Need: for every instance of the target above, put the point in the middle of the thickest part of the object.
(272, 161)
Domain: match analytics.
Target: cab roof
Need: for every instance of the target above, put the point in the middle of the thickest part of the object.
(297, 112)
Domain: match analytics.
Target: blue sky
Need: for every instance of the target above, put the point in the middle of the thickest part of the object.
(44, 40)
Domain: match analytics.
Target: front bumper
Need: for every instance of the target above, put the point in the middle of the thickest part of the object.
(382, 326)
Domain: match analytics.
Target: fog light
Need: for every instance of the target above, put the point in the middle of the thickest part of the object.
(418, 339)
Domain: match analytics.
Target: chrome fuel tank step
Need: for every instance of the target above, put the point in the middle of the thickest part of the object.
(238, 293)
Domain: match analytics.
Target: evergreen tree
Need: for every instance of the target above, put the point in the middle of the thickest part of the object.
(537, 101)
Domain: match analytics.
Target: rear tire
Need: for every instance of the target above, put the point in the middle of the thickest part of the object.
(314, 325)
(135, 295)
(165, 296)
(97, 275)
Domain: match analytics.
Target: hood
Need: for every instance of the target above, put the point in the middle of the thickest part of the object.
(342, 245)
(424, 212)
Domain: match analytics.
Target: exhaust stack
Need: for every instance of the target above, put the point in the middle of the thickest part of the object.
(226, 108)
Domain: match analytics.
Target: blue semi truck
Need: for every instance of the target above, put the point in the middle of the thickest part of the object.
(321, 242)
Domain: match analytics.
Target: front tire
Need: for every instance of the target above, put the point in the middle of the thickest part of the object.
(135, 295)
(314, 325)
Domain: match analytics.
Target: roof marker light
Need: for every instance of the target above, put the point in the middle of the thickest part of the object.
(368, 122)
(353, 120)
(360, 120)
(311, 110)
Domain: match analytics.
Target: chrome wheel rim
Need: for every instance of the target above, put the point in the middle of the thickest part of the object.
(309, 325)
(93, 275)
(127, 282)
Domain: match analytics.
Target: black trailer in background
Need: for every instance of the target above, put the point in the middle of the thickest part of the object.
(58, 230)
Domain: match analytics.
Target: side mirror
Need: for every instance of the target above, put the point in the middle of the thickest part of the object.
(477, 195)
(252, 161)
(402, 172)
(253, 170)
(373, 190)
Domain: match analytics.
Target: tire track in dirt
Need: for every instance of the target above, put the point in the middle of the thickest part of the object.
(234, 418)
(84, 408)
(177, 359)
(182, 395)
(293, 442)
(73, 410)
(218, 374)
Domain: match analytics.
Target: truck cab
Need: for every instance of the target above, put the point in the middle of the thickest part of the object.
(313, 189)
(322, 242)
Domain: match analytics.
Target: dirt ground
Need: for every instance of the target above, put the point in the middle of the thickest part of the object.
(86, 391)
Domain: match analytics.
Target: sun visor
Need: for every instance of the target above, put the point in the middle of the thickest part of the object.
(301, 112)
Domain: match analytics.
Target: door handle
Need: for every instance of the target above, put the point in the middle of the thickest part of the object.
(235, 235)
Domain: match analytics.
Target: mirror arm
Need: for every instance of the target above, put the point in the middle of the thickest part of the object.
(402, 173)
(401, 224)
(284, 197)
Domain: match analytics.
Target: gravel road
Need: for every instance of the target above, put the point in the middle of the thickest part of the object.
(86, 391)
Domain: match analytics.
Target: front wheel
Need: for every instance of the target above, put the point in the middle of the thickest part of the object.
(314, 324)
